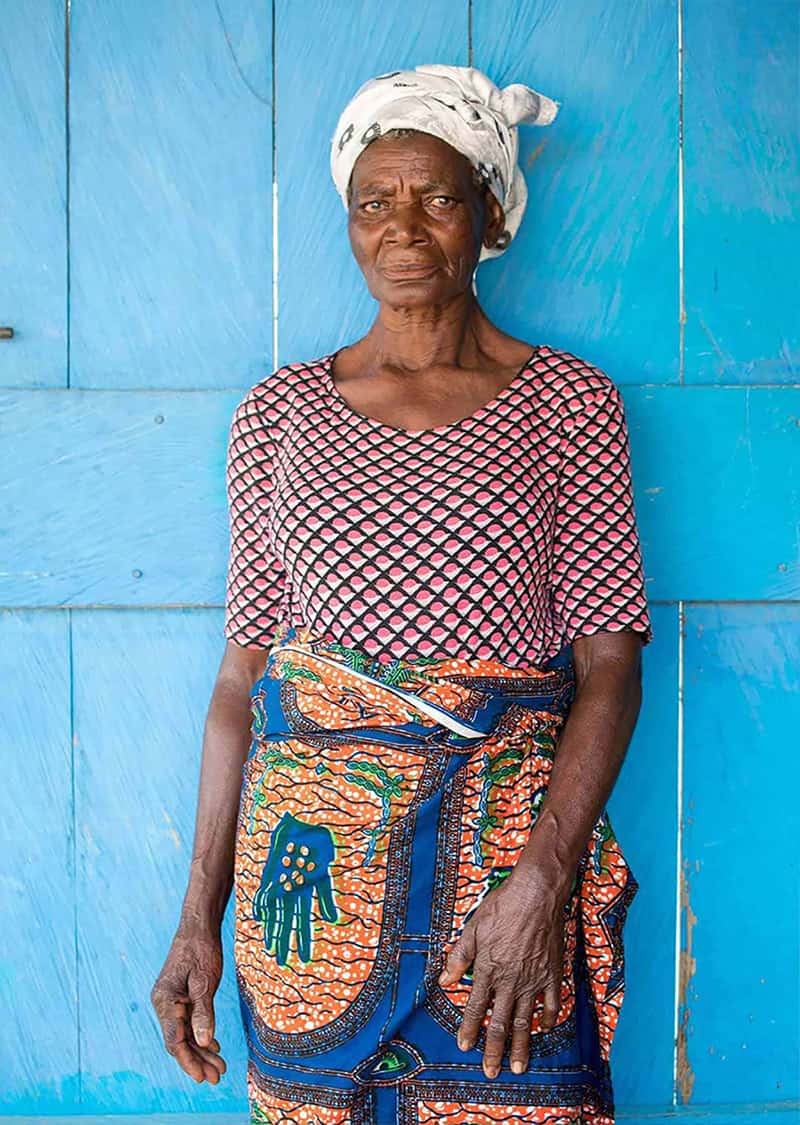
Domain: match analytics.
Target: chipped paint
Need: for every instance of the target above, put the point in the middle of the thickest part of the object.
(686, 970)
(174, 834)
(537, 152)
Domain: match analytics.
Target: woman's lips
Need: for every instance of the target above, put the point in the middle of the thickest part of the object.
(398, 273)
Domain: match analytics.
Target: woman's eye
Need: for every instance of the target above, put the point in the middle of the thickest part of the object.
(372, 206)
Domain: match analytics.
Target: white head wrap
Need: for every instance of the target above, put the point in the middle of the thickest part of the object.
(461, 106)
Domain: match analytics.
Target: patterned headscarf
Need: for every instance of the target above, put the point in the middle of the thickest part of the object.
(461, 106)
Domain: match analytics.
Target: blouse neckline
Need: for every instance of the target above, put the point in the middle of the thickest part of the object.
(507, 391)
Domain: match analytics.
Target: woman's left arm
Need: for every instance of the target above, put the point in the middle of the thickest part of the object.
(515, 938)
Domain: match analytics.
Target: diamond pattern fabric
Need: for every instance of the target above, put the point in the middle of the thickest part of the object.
(504, 535)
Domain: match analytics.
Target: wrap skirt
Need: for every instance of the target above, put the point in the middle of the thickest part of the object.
(380, 802)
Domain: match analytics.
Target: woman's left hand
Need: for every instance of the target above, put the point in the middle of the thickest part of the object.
(515, 943)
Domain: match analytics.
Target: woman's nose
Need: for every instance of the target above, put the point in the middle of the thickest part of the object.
(407, 223)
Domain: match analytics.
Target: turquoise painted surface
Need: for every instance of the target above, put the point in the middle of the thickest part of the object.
(742, 155)
(141, 685)
(594, 268)
(100, 481)
(740, 867)
(642, 811)
(33, 190)
(322, 299)
(171, 188)
(39, 1059)
(147, 308)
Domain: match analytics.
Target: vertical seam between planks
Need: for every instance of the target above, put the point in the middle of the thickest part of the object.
(681, 274)
(678, 850)
(74, 853)
(67, 262)
(274, 196)
(469, 32)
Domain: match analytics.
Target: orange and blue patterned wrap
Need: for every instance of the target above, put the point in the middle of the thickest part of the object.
(380, 802)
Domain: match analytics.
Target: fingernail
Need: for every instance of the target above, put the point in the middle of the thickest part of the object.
(517, 1067)
(203, 1036)
(491, 1073)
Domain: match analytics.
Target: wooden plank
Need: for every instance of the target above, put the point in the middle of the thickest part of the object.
(741, 928)
(115, 498)
(33, 186)
(643, 812)
(38, 984)
(171, 158)
(323, 301)
(594, 266)
(717, 479)
(119, 498)
(142, 682)
(742, 183)
(135, 1119)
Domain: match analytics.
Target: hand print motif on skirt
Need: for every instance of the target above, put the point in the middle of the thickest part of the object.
(380, 803)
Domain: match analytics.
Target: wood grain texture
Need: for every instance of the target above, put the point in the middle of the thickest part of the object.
(38, 982)
(112, 494)
(594, 265)
(741, 917)
(98, 487)
(115, 498)
(742, 157)
(323, 301)
(33, 186)
(717, 485)
(171, 170)
(142, 683)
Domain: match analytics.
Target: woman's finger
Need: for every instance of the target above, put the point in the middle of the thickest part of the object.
(209, 1054)
(552, 1003)
(460, 957)
(497, 1032)
(183, 1053)
(211, 1057)
(474, 1012)
(171, 1012)
(552, 988)
(521, 1027)
(180, 1043)
(201, 996)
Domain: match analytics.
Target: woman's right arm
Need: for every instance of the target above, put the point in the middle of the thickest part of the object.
(183, 993)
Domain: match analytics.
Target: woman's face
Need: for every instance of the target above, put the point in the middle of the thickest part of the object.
(416, 219)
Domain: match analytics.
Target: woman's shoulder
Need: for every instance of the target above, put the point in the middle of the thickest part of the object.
(572, 380)
(271, 397)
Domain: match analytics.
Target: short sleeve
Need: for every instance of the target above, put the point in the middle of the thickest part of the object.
(597, 573)
(256, 581)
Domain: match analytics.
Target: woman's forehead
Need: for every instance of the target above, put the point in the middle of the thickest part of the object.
(422, 160)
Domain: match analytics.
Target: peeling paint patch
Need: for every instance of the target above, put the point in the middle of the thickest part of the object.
(686, 970)
(173, 830)
(534, 156)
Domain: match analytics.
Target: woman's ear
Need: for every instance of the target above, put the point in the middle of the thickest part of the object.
(495, 220)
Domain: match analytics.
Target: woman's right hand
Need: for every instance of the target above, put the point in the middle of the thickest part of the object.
(183, 999)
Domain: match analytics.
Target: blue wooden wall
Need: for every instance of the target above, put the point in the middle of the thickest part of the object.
(170, 235)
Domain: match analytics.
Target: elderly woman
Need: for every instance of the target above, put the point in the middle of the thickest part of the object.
(434, 614)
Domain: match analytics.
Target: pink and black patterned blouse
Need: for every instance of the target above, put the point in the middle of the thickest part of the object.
(504, 535)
